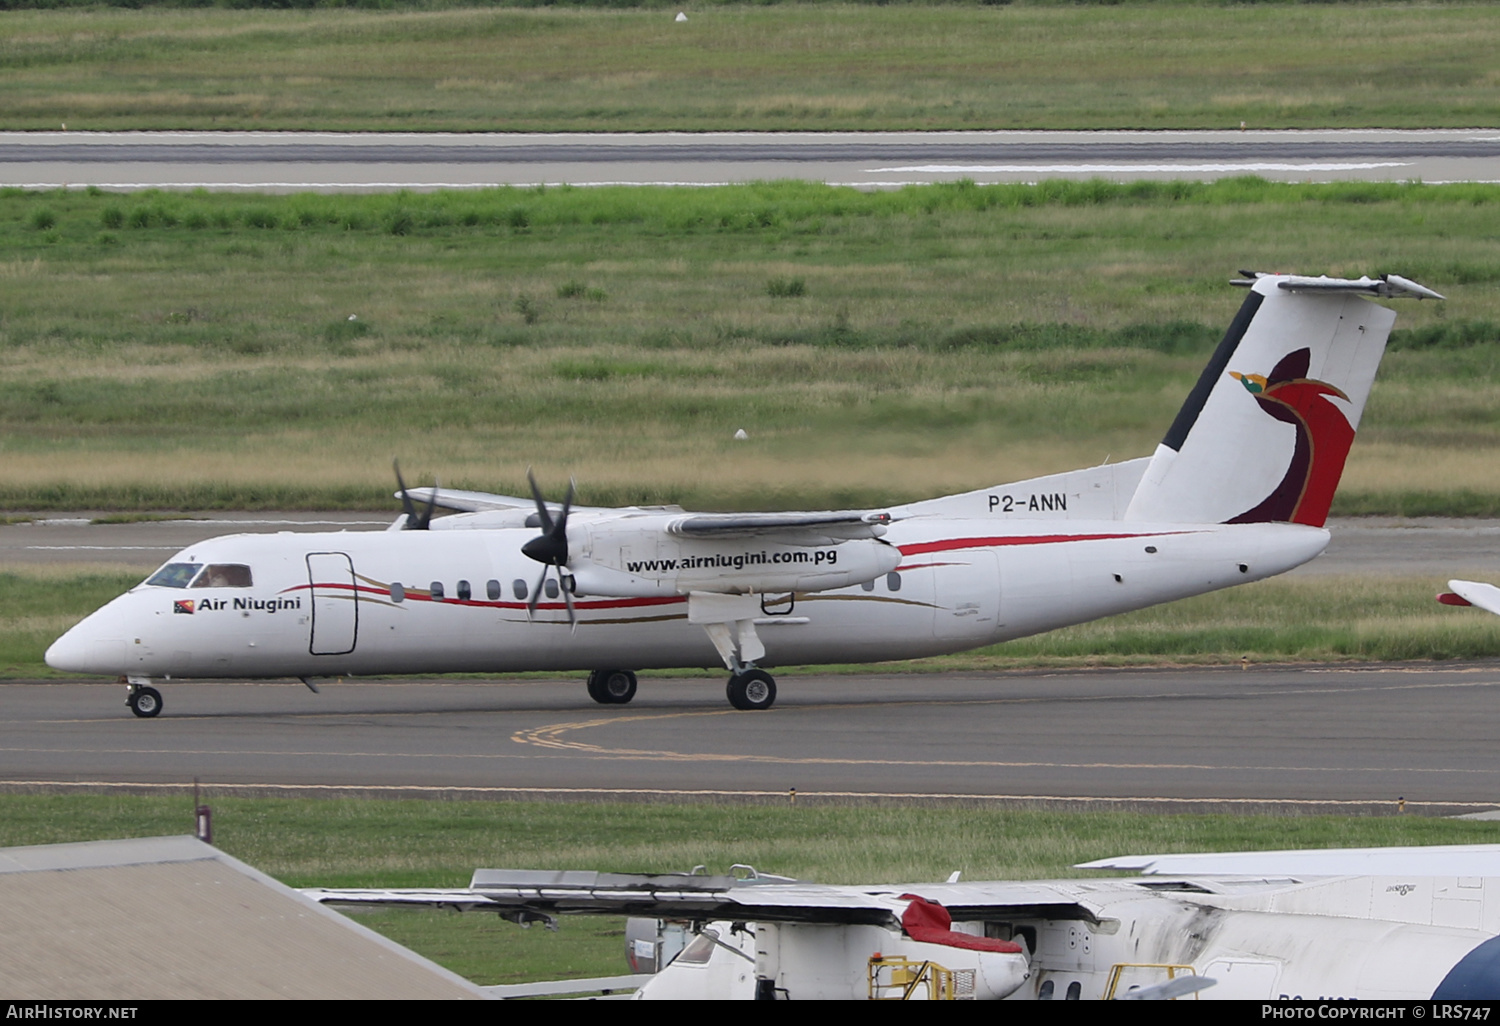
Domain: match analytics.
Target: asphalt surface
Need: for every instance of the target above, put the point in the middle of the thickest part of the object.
(298, 161)
(1324, 739)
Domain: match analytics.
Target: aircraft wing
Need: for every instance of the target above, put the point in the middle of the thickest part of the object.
(813, 528)
(1472, 860)
(1474, 593)
(460, 501)
(543, 894)
(467, 502)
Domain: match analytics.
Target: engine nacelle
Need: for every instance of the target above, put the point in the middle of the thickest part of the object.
(640, 561)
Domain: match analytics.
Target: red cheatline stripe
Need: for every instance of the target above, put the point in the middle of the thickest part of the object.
(1021, 539)
(626, 603)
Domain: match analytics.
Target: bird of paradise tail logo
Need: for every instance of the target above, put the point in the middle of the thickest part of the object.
(1324, 435)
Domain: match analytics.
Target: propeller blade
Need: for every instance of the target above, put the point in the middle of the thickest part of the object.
(415, 521)
(551, 546)
(431, 505)
(562, 583)
(541, 504)
(406, 503)
(562, 521)
(536, 594)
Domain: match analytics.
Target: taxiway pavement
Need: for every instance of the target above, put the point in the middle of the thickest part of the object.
(375, 162)
(1321, 739)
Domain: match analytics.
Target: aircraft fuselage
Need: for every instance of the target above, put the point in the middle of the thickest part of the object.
(446, 601)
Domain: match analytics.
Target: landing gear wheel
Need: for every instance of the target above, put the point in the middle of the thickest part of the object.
(753, 689)
(612, 687)
(144, 702)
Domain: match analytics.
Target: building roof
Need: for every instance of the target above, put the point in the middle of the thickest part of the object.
(172, 917)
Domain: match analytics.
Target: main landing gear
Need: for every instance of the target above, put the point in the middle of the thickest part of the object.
(729, 622)
(144, 700)
(751, 689)
(612, 687)
(748, 689)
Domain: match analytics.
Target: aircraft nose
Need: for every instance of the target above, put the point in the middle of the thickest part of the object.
(87, 649)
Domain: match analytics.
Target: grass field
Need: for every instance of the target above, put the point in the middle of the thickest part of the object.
(197, 351)
(349, 843)
(755, 67)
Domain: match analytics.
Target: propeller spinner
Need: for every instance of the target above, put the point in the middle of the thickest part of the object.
(550, 548)
(414, 520)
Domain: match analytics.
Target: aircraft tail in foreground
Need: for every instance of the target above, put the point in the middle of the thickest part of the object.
(1263, 436)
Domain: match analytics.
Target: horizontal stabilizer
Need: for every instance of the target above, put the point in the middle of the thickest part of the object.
(1387, 286)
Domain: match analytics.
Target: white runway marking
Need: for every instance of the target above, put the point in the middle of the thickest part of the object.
(351, 186)
(1125, 169)
(102, 548)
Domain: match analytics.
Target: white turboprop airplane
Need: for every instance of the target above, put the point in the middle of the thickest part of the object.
(1393, 924)
(1237, 491)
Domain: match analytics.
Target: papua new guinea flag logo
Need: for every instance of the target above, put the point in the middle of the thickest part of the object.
(1324, 435)
(182, 606)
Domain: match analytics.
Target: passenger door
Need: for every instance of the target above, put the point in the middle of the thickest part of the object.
(335, 603)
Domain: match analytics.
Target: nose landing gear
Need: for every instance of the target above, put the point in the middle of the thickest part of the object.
(144, 700)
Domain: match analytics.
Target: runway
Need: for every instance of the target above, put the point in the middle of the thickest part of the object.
(1314, 739)
(369, 162)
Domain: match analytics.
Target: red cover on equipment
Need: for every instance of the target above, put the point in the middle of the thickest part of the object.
(929, 922)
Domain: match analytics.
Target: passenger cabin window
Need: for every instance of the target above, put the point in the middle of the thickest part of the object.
(893, 581)
(551, 588)
(868, 586)
(224, 575)
(398, 593)
(518, 588)
(492, 589)
(464, 592)
(437, 591)
(175, 575)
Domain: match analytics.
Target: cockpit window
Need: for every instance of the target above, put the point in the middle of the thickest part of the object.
(224, 575)
(700, 949)
(175, 575)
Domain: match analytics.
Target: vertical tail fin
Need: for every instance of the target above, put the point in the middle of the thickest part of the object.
(1264, 434)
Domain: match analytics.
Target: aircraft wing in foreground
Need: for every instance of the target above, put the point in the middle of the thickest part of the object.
(1373, 924)
(1237, 491)
(1472, 593)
